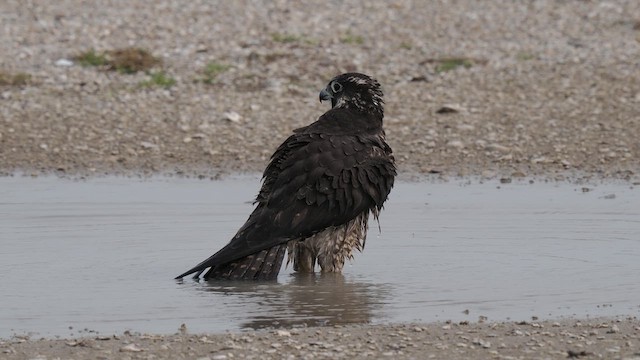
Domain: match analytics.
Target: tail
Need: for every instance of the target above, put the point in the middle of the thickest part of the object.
(263, 265)
(253, 253)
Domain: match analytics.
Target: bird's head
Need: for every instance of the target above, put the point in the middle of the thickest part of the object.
(354, 91)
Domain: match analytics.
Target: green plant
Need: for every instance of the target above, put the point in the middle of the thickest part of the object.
(160, 79)
(127, 60)
(449, 64)
(406, 45)
(525, 56)
(91, 58)
(212, 70)
(285, 38)
(19, 79)
(349, 38)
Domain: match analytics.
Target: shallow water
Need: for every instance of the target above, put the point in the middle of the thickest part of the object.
(100, 255)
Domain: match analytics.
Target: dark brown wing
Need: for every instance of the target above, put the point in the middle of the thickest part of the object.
(317, 178)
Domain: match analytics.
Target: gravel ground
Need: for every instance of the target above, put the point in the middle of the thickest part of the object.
(549, 88)
(545, 88)
(589, 339)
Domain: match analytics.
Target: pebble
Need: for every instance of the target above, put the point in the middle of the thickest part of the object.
(64, 62)
(497, 147)
(232, 116)
(456, 144)
(130, 348)
(148, 145)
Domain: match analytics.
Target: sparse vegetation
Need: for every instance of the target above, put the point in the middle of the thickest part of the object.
(212, 70)
(525, 56)
(159, 79)
(127, 60)
(292, 38)
(285, 38)
(91, 58)
(131, 60)
(406, 45)
(448, 64)
(19, 79)
(350, 38)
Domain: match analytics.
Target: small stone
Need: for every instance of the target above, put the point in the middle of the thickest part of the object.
(456, 144)
(485, 344)
(283, 333)
(614, 329)
(498, 147)
(64, 62)
(232, 116)
(206, 340)
(149, 146)
(219, 357)
(465, 127)
(418, 329)
(541, 160)
(130, 348)
(448, 109)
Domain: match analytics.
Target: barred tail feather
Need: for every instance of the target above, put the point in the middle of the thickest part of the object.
(263, 265)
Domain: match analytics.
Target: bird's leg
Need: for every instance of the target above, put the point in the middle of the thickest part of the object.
(329, 264)
(304, 258)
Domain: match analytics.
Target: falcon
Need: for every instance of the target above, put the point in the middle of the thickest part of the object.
(317, 192)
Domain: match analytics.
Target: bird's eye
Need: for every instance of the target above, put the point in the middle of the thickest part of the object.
(336, 87)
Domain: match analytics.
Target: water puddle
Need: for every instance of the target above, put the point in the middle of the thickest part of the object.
(100, 255)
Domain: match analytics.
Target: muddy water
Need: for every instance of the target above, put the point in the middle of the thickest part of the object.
(100, 255)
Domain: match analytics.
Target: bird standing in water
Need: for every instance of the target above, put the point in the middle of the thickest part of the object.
(318, 190)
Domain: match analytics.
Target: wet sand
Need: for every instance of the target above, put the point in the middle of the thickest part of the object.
(546, 89)
(589, 339)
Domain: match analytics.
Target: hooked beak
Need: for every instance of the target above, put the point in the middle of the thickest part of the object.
(325, 95)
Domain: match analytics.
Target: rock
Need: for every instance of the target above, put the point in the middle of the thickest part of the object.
(497, 147)
(456, 144)
(485, 344)
(149, 146)
(64, 62)
(130, 348)
(448, 109)
(232, 116)
(614, 329)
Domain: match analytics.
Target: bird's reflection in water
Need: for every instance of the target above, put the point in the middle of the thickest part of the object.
(302, 300)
